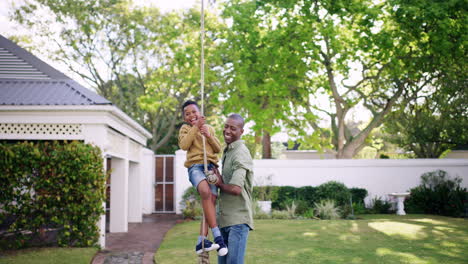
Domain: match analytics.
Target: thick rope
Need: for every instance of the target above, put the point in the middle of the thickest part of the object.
(211, 177)
(202, 257)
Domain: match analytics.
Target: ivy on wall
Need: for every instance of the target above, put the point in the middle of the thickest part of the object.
(48, 186)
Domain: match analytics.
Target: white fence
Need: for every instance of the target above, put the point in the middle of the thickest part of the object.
(378, 177)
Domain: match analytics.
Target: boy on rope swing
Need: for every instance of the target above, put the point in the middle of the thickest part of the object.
(190, 139)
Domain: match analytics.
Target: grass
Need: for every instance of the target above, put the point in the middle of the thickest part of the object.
(375, 239)
(49, 256)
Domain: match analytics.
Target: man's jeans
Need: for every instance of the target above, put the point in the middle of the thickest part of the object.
(235, 238)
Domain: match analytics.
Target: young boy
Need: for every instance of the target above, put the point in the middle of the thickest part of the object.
(190, 139)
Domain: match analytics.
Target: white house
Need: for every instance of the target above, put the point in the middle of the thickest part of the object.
(37, 102)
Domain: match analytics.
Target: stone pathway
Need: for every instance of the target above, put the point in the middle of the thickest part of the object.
(138, 245)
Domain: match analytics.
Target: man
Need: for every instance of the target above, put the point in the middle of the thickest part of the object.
(236, 184)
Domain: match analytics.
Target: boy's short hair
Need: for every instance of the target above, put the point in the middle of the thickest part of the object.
(189, 102)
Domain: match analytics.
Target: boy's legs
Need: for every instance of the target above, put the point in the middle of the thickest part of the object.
(207, 203)
(236, 239)
(208, 200)
(204, 232)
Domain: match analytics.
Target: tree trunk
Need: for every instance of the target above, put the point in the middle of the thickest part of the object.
(266, 145)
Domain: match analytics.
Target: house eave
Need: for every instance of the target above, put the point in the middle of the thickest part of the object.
(111, 109)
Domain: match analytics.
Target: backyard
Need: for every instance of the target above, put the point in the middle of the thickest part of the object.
(372, 239)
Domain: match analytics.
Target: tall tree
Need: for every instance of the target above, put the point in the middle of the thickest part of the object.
(432, 124)
(329, 43)
(145, 62)
(254, 54)
(435, 119)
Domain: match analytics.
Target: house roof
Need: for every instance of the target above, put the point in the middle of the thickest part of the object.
(27, 80)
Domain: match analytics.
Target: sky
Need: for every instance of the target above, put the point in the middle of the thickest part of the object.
(6, 26)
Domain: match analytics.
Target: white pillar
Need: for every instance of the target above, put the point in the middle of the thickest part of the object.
(97, 135)
(180, 178)
(119, 195)
(134, 194)
(147, 172)
(102, 228)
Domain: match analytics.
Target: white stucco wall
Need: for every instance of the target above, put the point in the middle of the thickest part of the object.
(378, 177)
(180, 178)
(147, 182)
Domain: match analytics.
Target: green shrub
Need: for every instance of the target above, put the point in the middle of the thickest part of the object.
(307, 193)
(358, 194)
(379, 206)
(333, 190)
(302, 206)
(309, 213)
(291, 209)
(191, 204)
(359, 208)
(438, 194)
(192, 210)
(326, 209)
(262, 215)
(58, 185)
(279, 214)
(265, 193)
(305, 197)
(286, 194)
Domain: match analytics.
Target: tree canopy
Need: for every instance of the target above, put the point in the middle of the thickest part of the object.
(304, 67)
(145, 62)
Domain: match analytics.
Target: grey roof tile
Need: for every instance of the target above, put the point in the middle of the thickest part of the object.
(27, 80)
(46, 92)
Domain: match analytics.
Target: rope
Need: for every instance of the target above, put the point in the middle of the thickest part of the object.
(202, 77)
(211, 177)
(202, 259)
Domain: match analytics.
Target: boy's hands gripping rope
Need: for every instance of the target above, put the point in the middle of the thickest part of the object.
(203, 127)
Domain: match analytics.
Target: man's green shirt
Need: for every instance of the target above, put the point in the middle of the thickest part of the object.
(237, 170)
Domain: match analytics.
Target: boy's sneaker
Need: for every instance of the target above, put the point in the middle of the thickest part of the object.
(222, 250)
(209, 246)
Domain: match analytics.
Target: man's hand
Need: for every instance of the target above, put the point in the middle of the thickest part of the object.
(228, 188)
(205, 131)
(220, 178)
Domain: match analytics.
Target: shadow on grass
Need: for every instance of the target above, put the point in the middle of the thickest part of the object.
(418, 239)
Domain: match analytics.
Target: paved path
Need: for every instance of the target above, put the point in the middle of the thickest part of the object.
(138, 245)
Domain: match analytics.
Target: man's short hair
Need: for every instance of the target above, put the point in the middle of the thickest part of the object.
(238, 118)
(187, 103)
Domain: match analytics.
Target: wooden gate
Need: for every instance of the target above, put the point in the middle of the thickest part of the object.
(164, 184)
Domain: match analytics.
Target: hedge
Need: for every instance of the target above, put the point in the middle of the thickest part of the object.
(47, 186)
(305, 197)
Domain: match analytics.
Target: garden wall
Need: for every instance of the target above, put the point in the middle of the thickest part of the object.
(379, 177)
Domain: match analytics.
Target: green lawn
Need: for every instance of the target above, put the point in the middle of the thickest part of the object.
(375, 239)
(49, 256)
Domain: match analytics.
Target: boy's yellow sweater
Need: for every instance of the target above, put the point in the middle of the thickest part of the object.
(190, 139)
